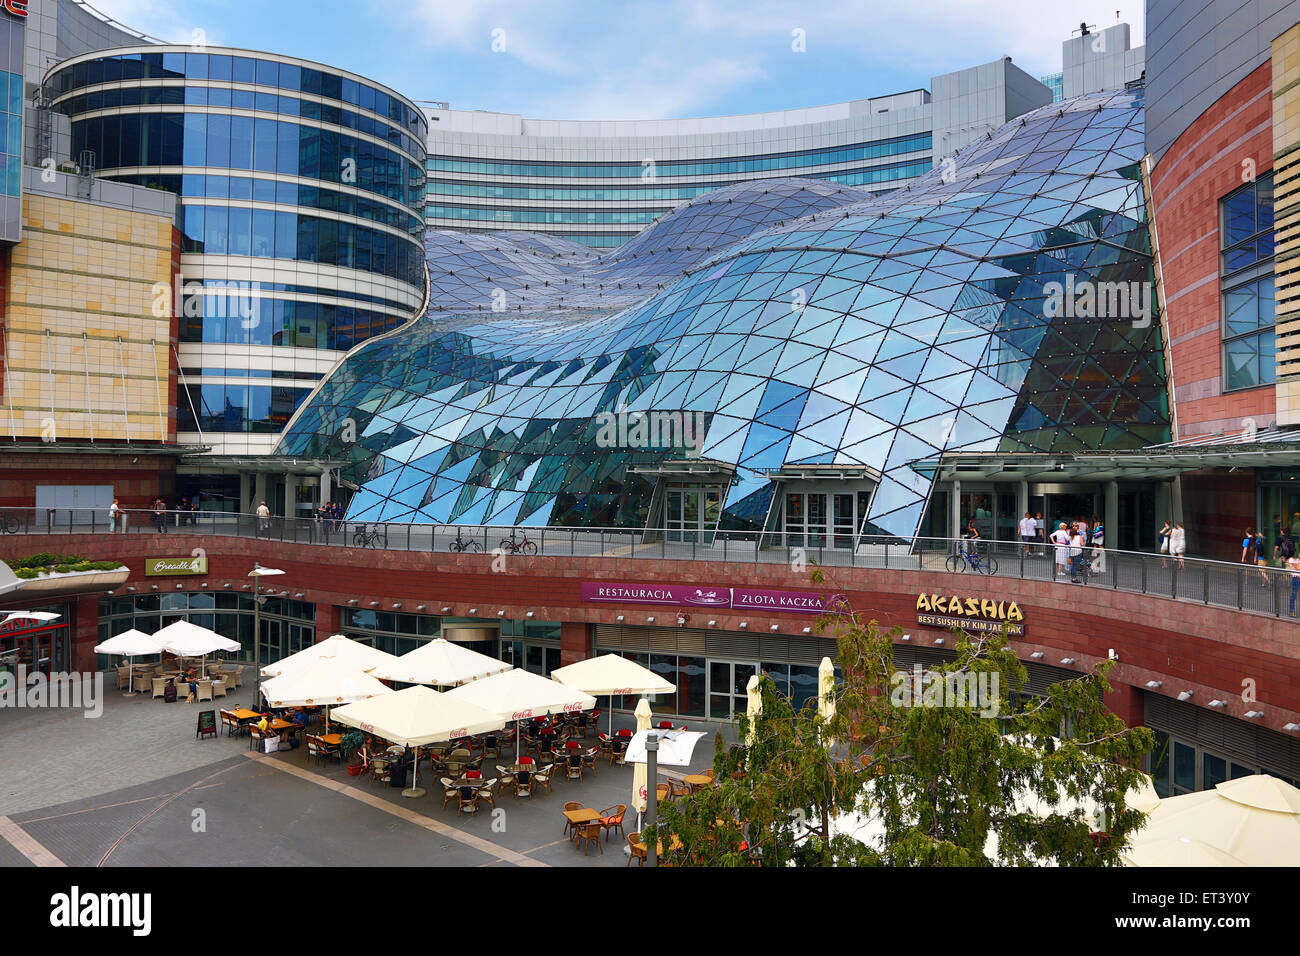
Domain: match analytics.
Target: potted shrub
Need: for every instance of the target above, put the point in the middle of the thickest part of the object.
(350, 745)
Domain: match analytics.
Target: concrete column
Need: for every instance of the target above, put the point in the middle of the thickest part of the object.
(244, 491)
(1176, 491)
(325, 487)
(1022, 502)
(1110, 516)
(291, 483)
(954, 509)
(259, 490)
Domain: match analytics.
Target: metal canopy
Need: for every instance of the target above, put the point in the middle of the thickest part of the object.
(268, 464)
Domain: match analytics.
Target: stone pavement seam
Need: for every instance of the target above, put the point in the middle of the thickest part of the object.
(26, 844)
(411, 816)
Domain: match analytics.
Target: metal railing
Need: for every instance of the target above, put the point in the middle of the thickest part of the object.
(1265, 590)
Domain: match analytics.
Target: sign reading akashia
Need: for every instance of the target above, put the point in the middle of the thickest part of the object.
(973, 615)
(154, 567)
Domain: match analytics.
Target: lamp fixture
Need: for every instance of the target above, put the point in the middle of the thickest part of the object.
(744, 624)
(775, 627)
(1153, 684)
(446, 609)
(374, 604)
(651, 619)
(1185, 695)
(713, 622)
(179, 587)
(245, 587)
(907, 637)
(1037, 655)
(1067, 660)
(132, 589)
(204, 584)
(619, 618)
(501, 613)
(473, 610)
(1218, 703)
(528, 614)
(419, 607)
(154, 586)
(938, 640)
(353, 601)
(397, 606)
(226, 585)
(807, 630)
(1291, 726)
(1254, 714)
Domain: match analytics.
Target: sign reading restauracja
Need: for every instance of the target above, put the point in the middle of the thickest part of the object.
(153, 567)
(973, 615)
(707, 596)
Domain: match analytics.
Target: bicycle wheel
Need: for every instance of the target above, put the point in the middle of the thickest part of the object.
(10, 524)
(381, 538)
(360, 540)
(472, 545)
(508, 544)
(956, 563)
(990, 565)
(528, 548)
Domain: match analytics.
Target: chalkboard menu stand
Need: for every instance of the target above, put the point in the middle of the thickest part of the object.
(207, 724)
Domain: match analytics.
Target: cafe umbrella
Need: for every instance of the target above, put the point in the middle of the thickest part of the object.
(417, 716)
(130, 643)
(326, 683)
(441, 663)
(518, 695)
(361, 657)
(186, 639)
(610, 675)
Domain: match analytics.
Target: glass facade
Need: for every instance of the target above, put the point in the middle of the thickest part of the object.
(273, 160)
(13, 34)
(801, 323)
(1247, 286)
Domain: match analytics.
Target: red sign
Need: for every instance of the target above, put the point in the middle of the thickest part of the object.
(17, 7)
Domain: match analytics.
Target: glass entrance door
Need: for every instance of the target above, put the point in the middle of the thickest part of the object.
(692, 514)
(728, 681)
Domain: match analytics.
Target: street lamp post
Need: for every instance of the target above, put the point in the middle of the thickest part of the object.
(652, 794)
(257, 574)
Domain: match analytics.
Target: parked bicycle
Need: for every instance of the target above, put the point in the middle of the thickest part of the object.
(519, 543)
(974, 559)
(464, 544)
(9, 524)
(373, 537)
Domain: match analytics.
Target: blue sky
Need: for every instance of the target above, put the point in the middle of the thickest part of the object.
(578, 59)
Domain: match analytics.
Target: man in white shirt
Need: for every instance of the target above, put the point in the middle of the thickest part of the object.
(1028, 532)
(263, 517)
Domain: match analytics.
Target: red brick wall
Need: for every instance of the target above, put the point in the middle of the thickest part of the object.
(1203, 166)
(1187, 646)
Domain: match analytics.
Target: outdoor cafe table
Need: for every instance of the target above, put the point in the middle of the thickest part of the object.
(697, 780)
(333, 740)
(244, 713)
(584, 815)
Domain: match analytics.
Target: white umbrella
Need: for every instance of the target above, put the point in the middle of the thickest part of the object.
(610, 675)
(1177, 851)
(826, 691)
(640, 795)
(754, 708)
(518, 695)
(326, 683)
(43, 616)
(675, 746)
(417, 716)
(440, 662)
(130, 643)
(185, 639)
(361, 657)
(1255, 819)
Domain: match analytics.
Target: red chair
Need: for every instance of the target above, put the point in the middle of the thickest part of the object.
(665, 725)
(525, 761)
(572, 745)
(473, 775)
(625, 734)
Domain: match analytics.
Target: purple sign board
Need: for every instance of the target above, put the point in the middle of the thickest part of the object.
(691, 595)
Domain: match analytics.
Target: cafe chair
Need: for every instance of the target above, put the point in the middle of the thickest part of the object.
(524, 782)
(611, 818)
(589, 760)
(637, 848)
(573, 766)
(543, 778)
(218, 688)
(204, 690)
(380, 770)
(570, 805)
(589, 833)
(491, 746)
(678, 788)
(468, 800)
(228, 721)
(665, 725)
(505, 779)
(315, 749)
(159, 687)
(450, 792)
(485, 792)
(663, 792)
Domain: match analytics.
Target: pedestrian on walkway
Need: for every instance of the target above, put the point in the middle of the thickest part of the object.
(1061, 539)
(160, 515)
(113, 513)
(263, 517)
(1178, 543)
(1261, 561)
(1078, 542)
(1164, 535)
(1293, 565)
(1098, 546)
(1028, 533)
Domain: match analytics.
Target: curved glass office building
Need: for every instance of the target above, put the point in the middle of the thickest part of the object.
(786, 355)
(302, 214)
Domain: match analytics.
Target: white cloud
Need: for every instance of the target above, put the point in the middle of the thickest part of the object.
(160, 19)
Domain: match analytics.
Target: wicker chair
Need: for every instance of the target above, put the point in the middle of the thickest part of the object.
(611, 818)
(468, 800)
(637, 848)
(589, 833)
(543, 778)
(450, 792)
(663, 792)
(570, 805)
(678, 788)
(485, 792)
(380, 770)
(524, 782)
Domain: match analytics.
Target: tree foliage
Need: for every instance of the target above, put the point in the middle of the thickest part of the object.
(1045, 775)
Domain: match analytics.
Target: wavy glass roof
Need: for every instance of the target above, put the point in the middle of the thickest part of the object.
(806, 322)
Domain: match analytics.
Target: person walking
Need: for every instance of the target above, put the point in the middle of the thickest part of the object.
(114, 512)
(1293, 565)
(1178, 543)
(160, 515)
(1163, 538)
(1028, 533)
(1261, 560)
(1098, 546)
(263, 517)
(1078, 543)
(1061, 539)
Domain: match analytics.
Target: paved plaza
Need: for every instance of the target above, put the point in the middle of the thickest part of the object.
(134, 787)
